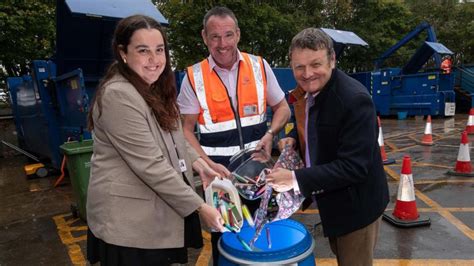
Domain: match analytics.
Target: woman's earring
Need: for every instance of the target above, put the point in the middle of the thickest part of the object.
(124, 60)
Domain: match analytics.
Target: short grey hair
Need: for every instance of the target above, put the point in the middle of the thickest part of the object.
(314, 39)
(220, 11)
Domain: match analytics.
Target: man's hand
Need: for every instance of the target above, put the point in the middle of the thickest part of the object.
(280, 180)
(265, 143)
(286, 141)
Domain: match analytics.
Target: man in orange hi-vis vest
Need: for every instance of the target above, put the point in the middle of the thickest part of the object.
(446, 65)
(227, 95)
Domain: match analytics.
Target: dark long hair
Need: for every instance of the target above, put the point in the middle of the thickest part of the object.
(161, 95)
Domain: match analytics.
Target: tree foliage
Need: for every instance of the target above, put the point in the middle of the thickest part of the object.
(27, 29)
(27, 32)
(267, 27)
(453, 23)
(264, 30)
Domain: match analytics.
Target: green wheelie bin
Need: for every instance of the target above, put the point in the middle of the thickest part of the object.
(78, 157)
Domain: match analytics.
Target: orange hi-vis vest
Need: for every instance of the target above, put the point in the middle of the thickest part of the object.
(446, 66)
(223, 131)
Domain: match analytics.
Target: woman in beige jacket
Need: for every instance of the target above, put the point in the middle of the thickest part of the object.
(141, 205)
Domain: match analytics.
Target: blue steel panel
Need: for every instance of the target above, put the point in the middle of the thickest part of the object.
(115, 8)
(382, 84)
(285, 79)
(422, 55)
(13, 85)
(43, 73)
(37, 121)
(415, 32)
(74, 105)
(418, 84)
(365, 78)
(466, 78)
(344, 37)
(439, 48)
(179, 75)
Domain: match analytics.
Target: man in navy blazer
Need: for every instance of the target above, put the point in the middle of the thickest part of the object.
(344, 170)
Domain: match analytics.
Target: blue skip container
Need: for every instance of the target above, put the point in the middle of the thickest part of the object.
(291, 244)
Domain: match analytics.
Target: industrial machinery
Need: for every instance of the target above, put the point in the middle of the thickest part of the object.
(50, 105)
(412, 89)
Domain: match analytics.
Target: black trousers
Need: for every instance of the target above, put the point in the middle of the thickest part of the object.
(252, 205)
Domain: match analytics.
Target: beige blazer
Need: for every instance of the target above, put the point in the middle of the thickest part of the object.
(137, 196)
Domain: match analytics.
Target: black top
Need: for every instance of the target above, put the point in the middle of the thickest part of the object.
(347, 175)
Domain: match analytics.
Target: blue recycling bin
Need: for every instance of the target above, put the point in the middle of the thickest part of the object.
(291, 244)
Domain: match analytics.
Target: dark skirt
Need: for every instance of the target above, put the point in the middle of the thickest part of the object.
(108, 254)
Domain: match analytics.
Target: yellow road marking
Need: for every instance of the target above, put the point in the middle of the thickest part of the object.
(457, 181)
(446, 214)
(403, 149)
(390, 145)
(75, 254)
(64, 232)
(391, 173)
(432, 165)
(206, 252)
(434, 205)
(315, 211)
(425, 164)
(397, 262)
(438, 209)
(413, 138)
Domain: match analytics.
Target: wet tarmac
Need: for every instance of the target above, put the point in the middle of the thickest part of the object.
(37, 227)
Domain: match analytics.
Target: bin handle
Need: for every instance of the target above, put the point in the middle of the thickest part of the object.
(63, 164)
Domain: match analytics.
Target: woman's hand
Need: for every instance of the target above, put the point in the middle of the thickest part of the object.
(211, 217)
(220, 169)
(206, 172)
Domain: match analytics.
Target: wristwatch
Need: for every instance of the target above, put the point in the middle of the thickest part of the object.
(270, 131)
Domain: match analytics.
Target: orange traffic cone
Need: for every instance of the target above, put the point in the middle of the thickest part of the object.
(463, 164)
(470, 122)
(405, 213)
(427, 137)
(385, 160)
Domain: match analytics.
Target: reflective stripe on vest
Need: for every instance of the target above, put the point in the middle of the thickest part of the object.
(227, 151)
(216, 113)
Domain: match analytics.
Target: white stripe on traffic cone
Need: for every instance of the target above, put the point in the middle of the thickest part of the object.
(405, 213)
(463, 165)
(470, 122)
(427, 137)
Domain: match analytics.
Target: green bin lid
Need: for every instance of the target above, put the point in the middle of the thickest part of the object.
(77, 147)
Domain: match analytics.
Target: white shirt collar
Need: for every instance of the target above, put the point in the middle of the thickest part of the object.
(311, 94)
(212, 63)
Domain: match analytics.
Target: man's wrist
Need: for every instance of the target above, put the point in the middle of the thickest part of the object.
(270, 131)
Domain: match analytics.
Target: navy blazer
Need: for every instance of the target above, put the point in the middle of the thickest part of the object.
(346, 174)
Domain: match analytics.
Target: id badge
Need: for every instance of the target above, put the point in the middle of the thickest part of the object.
(250, 109)
(182, 165)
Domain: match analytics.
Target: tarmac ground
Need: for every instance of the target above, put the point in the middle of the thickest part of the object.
(38, 228)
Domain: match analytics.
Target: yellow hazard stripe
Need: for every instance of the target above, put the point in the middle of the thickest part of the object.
(64, 232)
